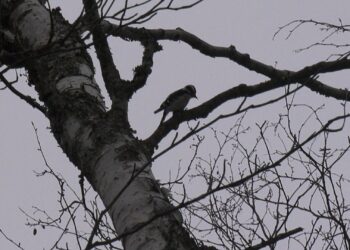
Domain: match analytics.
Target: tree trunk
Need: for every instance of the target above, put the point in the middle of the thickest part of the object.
(99, 143)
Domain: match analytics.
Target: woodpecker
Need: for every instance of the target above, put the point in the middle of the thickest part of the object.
(177, 100)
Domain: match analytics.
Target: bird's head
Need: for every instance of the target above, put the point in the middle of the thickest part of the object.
(191, 90)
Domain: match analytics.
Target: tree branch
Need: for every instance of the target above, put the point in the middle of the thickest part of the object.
(241, 90)
(304, 76)
(207, 107)
(196, 43)
(30, 100)
(18, 245)
(326, 90)
(273, 240)
(243, 179)
(145, 69)
(110, 73)
(230, 52)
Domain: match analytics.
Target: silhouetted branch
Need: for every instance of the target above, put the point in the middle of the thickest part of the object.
(142, 71)
(232, 184)
(230, 52)
(109, 71)
(18, 245)
(207, 107)
(274, 240)
(28, 99)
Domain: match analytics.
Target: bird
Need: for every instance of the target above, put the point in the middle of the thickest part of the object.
(177, 100)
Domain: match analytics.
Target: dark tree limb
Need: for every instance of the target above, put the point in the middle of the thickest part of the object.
(207, 107)
(275, 239)
(192, 40)
(242, 180)
(109, 71)
(305, 76)
(28, 99)
(230, 52)
(143, 71)
(326, 90)
(241, 90)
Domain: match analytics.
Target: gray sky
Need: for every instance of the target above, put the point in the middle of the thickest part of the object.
(248, 25)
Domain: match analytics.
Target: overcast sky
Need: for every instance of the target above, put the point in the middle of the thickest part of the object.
(248, 25)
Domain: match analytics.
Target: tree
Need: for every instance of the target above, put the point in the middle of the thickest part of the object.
(117, 164)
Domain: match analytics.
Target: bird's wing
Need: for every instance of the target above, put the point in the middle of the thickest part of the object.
(173, 96)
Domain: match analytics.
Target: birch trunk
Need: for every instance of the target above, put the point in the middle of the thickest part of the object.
(99, 143)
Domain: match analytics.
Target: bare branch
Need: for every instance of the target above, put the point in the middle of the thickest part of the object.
(296, 24)
(241, 181)
(129, 14)
(30, 100)
(275, 239)
(18, 245)
(110, 73)
(303, 75)
(145, 69)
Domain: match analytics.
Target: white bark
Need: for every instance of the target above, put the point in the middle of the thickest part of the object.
(137, 204)
(100, 144)
(32, 23)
